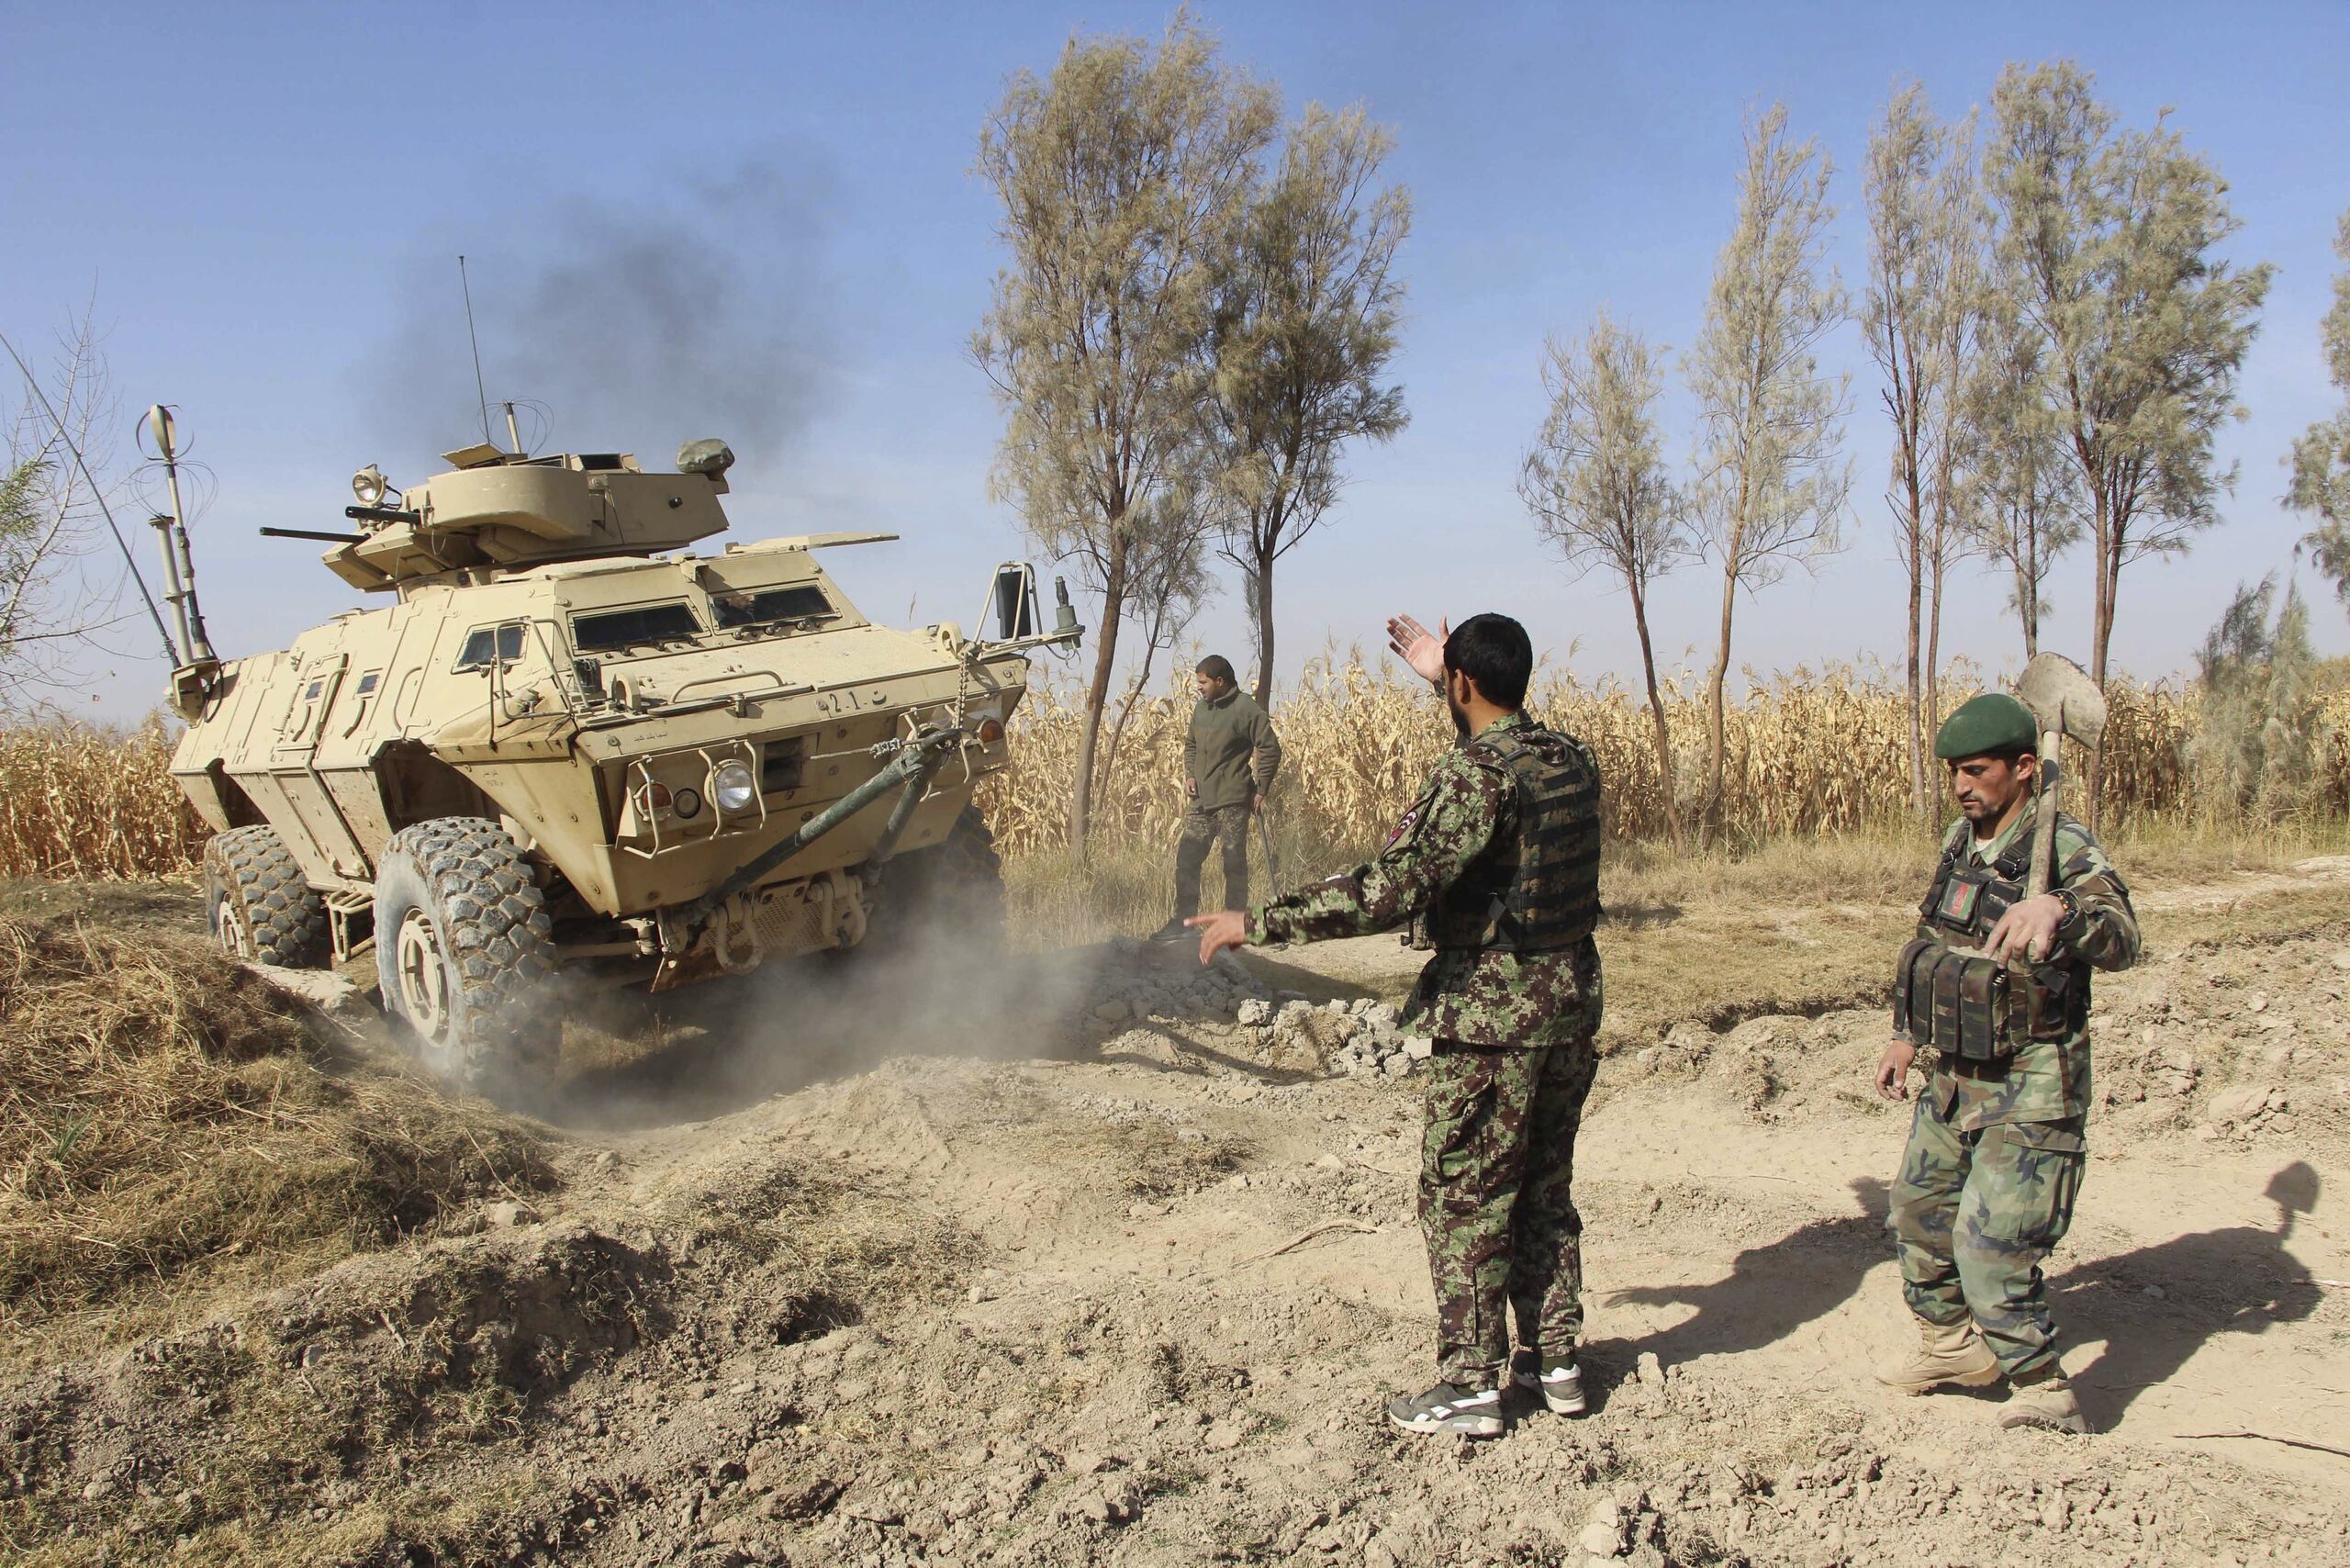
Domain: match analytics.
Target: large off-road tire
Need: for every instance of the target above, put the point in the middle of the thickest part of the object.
(466, 954)
(257, 903)
(950, 893)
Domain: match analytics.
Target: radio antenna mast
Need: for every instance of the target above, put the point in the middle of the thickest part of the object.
(99, 493)
(475, 338)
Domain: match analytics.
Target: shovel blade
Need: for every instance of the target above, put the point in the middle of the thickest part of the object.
(2062, 697)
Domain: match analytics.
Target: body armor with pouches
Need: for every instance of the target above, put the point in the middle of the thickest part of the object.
(1535, 891)
(1971, 1008)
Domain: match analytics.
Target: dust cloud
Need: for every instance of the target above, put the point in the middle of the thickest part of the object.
(622, 321)
(635, 1061)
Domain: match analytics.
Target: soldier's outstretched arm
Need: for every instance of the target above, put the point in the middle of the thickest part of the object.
(1444, 831)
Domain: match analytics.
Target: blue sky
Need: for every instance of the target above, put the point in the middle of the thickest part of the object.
(266, 201)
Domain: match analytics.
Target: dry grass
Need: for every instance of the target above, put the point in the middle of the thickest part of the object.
(168, 1119)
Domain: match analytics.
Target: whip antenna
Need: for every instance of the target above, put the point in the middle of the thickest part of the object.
(171, 653)
(475, 338)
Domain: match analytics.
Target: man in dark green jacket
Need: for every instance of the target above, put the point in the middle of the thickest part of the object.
(1229, 760)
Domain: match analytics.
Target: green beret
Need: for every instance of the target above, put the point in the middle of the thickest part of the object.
(1993, 722)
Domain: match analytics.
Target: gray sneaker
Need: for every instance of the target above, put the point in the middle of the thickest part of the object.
(1556, 1378)
(1448, 1407)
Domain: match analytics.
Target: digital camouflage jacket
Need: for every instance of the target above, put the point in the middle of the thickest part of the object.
(1478, 998)
(2045, 1080)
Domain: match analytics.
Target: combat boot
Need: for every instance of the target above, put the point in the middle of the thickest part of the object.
(1947, 1355)
(2044, 1397)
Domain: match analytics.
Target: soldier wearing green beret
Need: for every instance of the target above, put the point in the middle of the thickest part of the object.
(1997, 986)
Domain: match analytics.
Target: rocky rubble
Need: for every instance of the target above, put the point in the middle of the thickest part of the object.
(1363, 1037)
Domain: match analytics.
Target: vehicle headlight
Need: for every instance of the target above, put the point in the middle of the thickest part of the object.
(369, 484)
(731, 786)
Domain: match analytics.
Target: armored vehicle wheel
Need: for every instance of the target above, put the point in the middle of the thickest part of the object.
(466, 952)
(949, 893)
(258, 904)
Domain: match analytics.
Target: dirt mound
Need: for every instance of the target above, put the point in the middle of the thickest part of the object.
(169, 1119)
(1126, 1271)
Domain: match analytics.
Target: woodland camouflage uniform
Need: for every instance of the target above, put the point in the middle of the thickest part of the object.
(1997, 1150)
(1515, 1056)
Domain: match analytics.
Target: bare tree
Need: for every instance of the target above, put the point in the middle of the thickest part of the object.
(1124, 182)
(54, 595)
(1772, 481)
(2321, 459)
(1307, 327)
(2111, 234)
(1596, 484)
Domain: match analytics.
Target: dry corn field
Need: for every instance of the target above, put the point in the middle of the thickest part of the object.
(79, 802)
(1809, 755)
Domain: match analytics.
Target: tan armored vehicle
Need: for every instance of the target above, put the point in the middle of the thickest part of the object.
(559, 752)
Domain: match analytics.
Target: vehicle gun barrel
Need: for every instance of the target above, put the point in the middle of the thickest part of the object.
(318, 535)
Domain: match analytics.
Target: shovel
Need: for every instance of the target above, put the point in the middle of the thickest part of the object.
(1272, 862)
(2064, 703)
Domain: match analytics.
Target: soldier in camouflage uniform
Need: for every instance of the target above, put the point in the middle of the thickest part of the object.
(1497, 868)
(1997, 1143)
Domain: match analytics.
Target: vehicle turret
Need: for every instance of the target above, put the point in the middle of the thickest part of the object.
(500, 511)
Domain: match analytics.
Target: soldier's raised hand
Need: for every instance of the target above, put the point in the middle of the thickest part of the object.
(1412, 643)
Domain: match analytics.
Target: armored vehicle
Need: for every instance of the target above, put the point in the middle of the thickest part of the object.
(566, 751)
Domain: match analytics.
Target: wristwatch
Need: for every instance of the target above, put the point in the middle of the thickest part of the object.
(2072, 915)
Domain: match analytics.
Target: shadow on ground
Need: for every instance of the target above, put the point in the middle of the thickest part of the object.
(1772, 1290)
(2239, 1280)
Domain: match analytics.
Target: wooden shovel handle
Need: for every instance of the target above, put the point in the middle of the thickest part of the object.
(2044, 825)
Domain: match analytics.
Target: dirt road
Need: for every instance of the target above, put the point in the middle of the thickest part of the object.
(1122, 1279)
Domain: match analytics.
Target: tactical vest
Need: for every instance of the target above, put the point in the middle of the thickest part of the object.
(1967, 1006)
(1538, 890)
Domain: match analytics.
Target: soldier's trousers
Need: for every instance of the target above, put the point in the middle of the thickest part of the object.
(1973, 1216)
(1201, 829)
(1496, 1160)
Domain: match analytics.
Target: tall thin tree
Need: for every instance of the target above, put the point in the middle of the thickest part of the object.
(1596, 483)
(2028, 496)
(2112, 235)
(1771, 480)
(1963, 231)
(2321, 460)
(1305, 329)
(1125, 180)
(1908, 273)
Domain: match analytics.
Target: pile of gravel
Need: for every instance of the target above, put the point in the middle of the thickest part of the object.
(1363, 1038)
(1135, 982)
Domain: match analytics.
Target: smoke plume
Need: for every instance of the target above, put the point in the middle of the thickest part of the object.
(622, 322)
